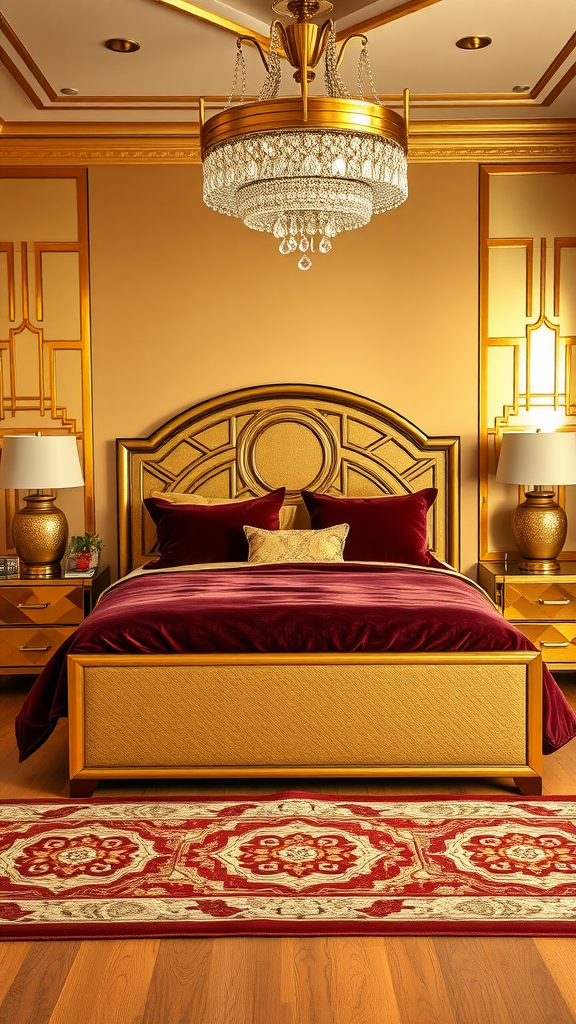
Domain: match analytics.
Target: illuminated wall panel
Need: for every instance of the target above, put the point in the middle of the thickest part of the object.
(528, 327)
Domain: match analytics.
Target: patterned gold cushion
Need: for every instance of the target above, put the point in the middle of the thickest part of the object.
(288, 513)
(296, 545)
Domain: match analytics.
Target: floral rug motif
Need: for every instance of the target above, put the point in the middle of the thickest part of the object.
(290, 864)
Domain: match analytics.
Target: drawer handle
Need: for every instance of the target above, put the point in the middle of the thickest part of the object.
(24, 648)
(542, 601)
(549, 643)
(34, 606)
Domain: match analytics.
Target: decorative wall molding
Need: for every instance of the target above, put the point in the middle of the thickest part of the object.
(45, 366)
(430, 141)
(527, 332)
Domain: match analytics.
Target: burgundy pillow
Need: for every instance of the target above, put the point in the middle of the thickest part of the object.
(381, 529)
(189, 534)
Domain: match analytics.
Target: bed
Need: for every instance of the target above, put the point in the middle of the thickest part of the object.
(259, 708)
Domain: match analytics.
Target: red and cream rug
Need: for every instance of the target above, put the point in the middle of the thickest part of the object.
(293, 863)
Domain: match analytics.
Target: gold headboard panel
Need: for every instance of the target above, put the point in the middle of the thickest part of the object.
(249, 442)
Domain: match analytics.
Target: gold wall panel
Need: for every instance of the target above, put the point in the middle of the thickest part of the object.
(44, 323)
(249, 442)
(528, 327)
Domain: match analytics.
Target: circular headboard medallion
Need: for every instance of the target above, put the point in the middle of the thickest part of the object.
(290, 448)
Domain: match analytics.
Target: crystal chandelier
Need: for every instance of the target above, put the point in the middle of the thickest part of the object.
(305, 167)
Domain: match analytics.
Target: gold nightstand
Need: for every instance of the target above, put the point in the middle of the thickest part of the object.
(37, 616)
(542, 606)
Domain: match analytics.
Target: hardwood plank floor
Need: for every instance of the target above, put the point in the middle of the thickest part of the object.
(296, 980)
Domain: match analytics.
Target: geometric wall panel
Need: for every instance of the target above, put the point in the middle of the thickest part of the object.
(528, 328)
(45, 383)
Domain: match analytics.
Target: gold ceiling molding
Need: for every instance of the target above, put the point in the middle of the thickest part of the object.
(201, 14)
(387, 16)
(553, 68)
(514, 141)
(430, 141)
(533, 98)
(83, 151)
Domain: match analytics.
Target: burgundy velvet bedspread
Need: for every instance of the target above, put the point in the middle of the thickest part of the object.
(286, 608)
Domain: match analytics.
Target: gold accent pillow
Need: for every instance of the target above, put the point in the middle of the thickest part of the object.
(287, 514)
(296, 545)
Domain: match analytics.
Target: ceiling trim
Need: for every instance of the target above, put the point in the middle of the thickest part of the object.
(163, 103)
(554, 67)
(216, 19)
(430, 141)
(19, 78)
(26, 57)
(564, 81)
(411, 7)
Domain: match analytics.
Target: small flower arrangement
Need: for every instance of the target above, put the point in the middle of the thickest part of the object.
(84, 552)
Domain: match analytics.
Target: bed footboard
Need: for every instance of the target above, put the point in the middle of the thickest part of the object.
(262, 715)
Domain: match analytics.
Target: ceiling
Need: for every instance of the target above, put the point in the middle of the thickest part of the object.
(187, 51)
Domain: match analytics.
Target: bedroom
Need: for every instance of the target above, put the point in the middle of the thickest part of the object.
(186, 305)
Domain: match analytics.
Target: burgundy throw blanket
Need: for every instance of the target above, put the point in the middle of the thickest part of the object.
(308, 607)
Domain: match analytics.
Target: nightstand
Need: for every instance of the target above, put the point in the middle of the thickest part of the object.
(36, 616)
(542, 606)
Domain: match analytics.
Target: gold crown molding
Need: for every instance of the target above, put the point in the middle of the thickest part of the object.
(430, 141)
(508, 141)
(98, 151)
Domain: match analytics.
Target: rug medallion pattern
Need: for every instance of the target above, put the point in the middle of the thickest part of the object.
(292, 863)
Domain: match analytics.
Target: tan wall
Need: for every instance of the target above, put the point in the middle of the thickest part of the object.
(187, 304)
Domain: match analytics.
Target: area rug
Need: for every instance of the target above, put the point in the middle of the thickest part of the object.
(291, 864)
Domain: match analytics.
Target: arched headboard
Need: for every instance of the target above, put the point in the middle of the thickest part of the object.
(248, 442)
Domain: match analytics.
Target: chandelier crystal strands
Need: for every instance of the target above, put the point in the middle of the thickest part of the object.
(304, 167)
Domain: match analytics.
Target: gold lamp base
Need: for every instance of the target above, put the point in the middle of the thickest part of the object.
(539, 526)
(40, 532)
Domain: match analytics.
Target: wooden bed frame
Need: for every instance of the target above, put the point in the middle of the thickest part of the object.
(185, 716)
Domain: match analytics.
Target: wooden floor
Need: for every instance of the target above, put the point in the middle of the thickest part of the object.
(366, 980)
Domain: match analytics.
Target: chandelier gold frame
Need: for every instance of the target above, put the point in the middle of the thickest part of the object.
(324, 112)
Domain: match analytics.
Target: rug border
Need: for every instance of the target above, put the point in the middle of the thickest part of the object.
(551, 929)
(292, 793)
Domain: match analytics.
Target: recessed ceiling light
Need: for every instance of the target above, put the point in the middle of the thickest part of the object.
(69, 91)
(520, 88)
(122, 45)
(473, 42)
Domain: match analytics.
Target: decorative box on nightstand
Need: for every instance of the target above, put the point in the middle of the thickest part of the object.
(37, 616)
(542, 606)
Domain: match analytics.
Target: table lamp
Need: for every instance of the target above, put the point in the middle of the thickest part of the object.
(538, 523)
(40, 530)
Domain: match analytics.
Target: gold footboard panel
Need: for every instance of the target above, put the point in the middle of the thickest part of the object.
(178, 716)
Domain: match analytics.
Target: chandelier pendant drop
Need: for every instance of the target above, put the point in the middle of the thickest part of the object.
(305, 168)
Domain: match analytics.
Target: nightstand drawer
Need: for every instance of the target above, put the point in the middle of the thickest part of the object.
(22, 648)
(556, 641)
(37, 603)
(545, 600)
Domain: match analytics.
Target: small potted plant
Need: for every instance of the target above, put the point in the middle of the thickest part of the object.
(84, 552)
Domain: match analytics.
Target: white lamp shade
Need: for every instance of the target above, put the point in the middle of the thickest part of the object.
(538, 459)
(34, 462)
